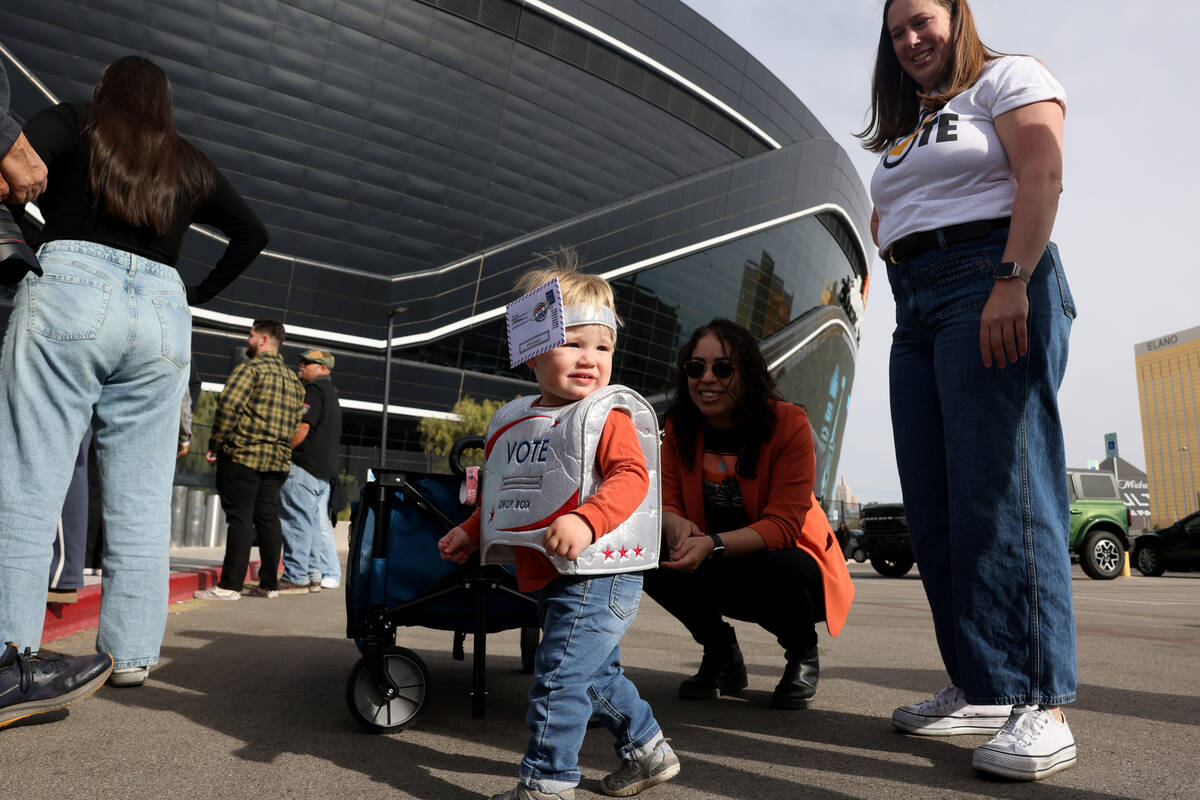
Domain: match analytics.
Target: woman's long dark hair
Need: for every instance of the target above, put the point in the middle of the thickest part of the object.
(753, 418)
(897, 100)
(142, 172)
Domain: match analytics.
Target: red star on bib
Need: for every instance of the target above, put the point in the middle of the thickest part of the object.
(624, 553)
(608, 553)
(637, 551)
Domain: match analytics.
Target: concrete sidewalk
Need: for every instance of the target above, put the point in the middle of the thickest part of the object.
(249, 702)
(192, 568)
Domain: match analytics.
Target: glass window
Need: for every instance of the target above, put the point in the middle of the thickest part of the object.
(1099, 485)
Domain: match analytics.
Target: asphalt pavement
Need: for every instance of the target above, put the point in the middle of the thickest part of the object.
(249, 701)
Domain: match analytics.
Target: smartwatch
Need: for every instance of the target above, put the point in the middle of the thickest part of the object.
(1007, 270)
(718, 547)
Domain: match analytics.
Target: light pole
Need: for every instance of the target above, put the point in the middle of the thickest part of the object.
(1186, 477)
(387, 385)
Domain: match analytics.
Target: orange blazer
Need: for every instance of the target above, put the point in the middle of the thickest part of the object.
(779, 502)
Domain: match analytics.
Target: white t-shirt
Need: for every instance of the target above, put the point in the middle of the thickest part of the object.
(953, 168)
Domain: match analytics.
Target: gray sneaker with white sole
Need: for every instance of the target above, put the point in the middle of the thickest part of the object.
(638, 774)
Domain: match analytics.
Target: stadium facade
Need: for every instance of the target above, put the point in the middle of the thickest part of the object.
(411, 157)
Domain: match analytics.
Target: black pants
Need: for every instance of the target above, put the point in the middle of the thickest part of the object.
(70, 545)
(251, 503)
(781, 590)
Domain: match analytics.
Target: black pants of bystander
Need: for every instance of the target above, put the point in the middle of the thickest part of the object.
(251, 502)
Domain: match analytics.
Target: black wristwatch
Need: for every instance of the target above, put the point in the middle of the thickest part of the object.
(1006, 270)
(718, 546)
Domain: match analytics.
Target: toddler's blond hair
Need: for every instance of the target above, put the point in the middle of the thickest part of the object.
(577, 287)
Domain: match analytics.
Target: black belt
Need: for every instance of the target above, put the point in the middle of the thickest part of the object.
(916, 243)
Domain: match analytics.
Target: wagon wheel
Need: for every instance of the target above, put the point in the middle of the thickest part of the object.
(366, 699)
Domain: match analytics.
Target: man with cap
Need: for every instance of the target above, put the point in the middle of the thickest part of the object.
(310, 559)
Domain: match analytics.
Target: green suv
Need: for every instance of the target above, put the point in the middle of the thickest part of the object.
(1099, 523)
(1099, 529)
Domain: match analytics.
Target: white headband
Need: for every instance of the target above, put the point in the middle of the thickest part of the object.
(588, 314)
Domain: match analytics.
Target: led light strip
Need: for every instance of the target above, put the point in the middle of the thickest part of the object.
(316, 334)
(362, 405)
(777, 363)
(662, 69)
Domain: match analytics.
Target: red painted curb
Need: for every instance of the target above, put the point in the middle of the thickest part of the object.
(66, 618)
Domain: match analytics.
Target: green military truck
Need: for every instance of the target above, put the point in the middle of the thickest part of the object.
(1099, 533)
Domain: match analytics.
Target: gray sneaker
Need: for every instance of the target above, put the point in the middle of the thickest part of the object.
(128, 676)
(523, 792)
(639, 774)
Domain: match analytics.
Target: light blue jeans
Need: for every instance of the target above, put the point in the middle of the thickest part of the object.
(103, 333)
(309, 550)
(578, 674)
(983, 471)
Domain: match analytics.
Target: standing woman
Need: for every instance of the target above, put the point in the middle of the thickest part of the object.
(745, 537)
(106, 331)
(965, 197)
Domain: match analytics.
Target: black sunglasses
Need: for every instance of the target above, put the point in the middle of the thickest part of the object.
(722, 369)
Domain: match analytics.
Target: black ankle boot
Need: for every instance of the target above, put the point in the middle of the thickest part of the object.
(799, 682)
(722, 671)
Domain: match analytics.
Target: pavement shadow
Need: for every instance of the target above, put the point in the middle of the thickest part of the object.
(285, 695)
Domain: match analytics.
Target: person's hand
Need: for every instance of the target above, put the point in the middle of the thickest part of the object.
(456, 546)
(210, 457)
(183, 449)
(24, 172)
(676, 529)
(690, 553)
(1003, 329)
(567, 536)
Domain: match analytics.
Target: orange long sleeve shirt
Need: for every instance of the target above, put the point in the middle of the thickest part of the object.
(626, 481)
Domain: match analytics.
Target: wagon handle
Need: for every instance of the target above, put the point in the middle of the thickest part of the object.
(460, 444)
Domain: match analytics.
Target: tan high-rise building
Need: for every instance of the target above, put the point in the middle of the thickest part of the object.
(1168, 372)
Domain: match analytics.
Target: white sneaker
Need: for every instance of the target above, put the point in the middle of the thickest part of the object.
(948, 713)
(216, 593)
(330, 583)
(1031, 745)
(128, 676)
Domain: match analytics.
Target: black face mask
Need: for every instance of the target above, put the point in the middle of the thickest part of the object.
(16, 257)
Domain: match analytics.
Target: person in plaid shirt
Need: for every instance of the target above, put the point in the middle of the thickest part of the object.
(257, 413)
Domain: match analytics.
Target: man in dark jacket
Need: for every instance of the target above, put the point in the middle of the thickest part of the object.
(310, 559)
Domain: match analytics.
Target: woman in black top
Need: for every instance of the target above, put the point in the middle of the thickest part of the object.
(105, 333)
(743, 535)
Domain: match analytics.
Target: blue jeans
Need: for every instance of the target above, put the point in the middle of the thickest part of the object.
(983, 471)
(578, 674)
(309, 550)
(108, 333)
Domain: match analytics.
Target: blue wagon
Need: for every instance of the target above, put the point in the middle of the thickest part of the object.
(397, 578)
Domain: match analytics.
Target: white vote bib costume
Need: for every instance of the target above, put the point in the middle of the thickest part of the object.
(540, 463)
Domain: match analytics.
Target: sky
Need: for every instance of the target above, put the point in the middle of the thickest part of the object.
(1126, 224)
